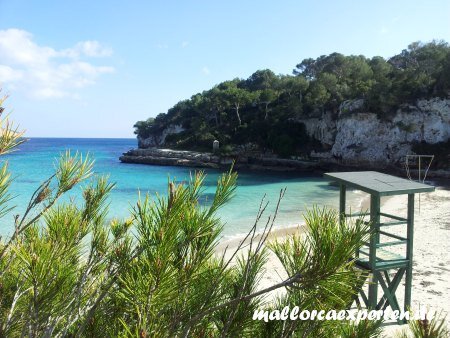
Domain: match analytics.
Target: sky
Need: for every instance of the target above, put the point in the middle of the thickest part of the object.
(93, 68)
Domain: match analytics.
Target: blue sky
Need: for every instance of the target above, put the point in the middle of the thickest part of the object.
(93, 68)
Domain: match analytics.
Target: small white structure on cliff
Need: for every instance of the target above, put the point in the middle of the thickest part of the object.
(215, 146)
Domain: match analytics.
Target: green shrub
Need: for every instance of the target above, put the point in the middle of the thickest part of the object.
(67, 271)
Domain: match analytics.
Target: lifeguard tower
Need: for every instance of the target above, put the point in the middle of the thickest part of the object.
(375, 256)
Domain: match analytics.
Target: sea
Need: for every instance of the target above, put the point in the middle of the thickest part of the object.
(34, 161)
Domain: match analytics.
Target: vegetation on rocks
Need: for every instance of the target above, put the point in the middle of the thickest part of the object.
(266, 109)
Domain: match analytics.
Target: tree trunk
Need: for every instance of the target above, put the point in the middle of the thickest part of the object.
(236, 107)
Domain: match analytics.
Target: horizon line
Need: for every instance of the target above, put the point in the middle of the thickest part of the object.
(80, 137)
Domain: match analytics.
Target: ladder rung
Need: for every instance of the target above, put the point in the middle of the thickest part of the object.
(363, 252)
(398, 218)
(388, 224)
(381, 245)
(391, 264)
(392, 235)
(381, 259)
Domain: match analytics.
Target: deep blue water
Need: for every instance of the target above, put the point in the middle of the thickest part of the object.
(34, 161)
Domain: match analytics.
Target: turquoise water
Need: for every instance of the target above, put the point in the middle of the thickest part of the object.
(34, 162)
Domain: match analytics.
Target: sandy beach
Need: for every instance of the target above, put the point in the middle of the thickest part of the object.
(431, 260)
(431, 267)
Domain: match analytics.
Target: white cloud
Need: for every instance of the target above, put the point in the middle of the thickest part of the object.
(43, 72)
(87, 48)
(205, 70)
(94, 49)
(184, 44)
(8, 74)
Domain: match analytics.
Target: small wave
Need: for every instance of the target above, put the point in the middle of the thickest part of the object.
(276, 228)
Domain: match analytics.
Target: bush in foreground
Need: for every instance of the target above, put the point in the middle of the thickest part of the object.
(66, 271)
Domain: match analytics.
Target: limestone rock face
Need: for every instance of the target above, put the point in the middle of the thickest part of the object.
(437, 120)
(170, 157)
(361, 137)
(350, 106)
(157, 140)
(322, 129)
(356, 136)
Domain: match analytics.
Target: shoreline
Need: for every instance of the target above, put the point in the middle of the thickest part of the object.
(254, 161)
(231, 242)
(251, 161)
(431, 267)
(273, 266)
(357, 201)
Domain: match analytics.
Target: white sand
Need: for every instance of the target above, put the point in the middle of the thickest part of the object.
(431, 254)
(431, 267)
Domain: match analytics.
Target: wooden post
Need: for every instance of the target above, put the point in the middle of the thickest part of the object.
(409, 250)
(342, 196)
(374, 240)
(379, 185)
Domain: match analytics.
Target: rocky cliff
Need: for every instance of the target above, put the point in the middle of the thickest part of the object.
(355, 136)
(157, 140)
(350, 136)
(170, 157)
